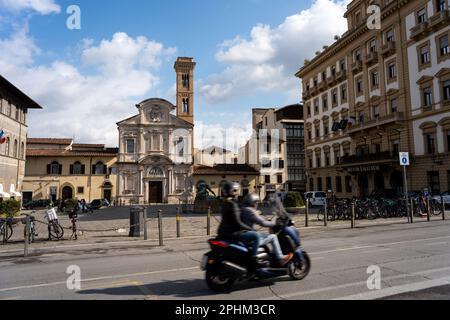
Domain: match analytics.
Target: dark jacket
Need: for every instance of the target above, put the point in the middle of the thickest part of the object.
(231, 226)
(250, 217)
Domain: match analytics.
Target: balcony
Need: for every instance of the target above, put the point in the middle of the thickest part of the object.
(419, 30)
(322, 85)
(331, 80)
(314, 90)
(388, 49)
(357, 66)
(386, 156)
(306, 95)
(341, 75)
(394, 118)
(440, 19)
(372, 58)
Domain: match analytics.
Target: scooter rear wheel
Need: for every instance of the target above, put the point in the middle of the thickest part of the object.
(216, 281)
(299, 270)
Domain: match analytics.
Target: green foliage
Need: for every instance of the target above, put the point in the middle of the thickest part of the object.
(9, 208)
(293, 200)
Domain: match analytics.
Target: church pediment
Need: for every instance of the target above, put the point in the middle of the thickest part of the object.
(156, 160)
(180, 122)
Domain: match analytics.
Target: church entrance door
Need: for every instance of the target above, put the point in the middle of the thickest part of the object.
(155, 192)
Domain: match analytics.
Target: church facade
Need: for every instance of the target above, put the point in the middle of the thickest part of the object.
(155, 160)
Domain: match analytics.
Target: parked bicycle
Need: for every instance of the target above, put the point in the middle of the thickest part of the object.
(55, 230)
(31, 229)
(6, 229)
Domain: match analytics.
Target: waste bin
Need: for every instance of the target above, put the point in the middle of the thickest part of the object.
(136, 222)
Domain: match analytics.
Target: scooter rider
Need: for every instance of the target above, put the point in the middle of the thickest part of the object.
(251, 217)
(231, 226)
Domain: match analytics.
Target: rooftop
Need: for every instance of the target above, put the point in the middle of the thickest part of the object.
(226, 169)
(28, 102)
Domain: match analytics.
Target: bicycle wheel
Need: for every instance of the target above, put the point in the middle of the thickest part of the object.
(436, 208)
(6, 232)
(321, 214)
(56, 231)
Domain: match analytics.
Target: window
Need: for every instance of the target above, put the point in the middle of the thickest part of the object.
(343, 94)
(357, 55)
(334, 97)
(266, 179)
(185, 80)
(337, 155)
(279, 178)
(99, 168)
(434, 182)
(296, 174)
(390, 37)
(375, 79)
(324, 76)
(326, 129)
(357, 18)
(318, 161)
(392, 71)
(54, 168)
(421, 15)
(376, 111)
(373, 45)
(7, 146)
(310, 161)
(342, 65)
(394, 105)
(317, 132)
(15, 150)
(333, 70)
(309, 134)
(319, 184)
(338, 184)
(9, 108)
(80, 190)
(427, 96)
(17, 113)
(327, 159)
(396, 146)
(329, 184)
(443, 46)
(185, 105)
(308, 110)
(77, 168)
(316, 106)
(311, 184)
(324, 103)
(447, 136)
(362, 117)
(22, 151)
(425, 55)
(359, 86)
(376, 148)
(348, 184)
(430, 143)
(130, 146)
(315, 81)
(440, 5)
(446, 90)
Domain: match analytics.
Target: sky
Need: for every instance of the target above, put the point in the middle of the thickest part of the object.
(87, 80)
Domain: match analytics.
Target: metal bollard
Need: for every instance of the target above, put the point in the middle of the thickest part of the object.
(307, 214)
(428, 209)
(145, 223)
(208, 222)
(325, 216)
(27, 236)
(412, 211)
(443, 207)
(160, 230)
(353, 214)
(178, 223)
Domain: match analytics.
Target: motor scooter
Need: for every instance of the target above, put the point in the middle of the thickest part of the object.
(229, 262)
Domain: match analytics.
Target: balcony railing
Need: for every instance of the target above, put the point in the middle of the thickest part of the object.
(357, 66)
(322, 85)
(371, 157)
(378, 121)
(372, 58)
(419, 30)
(440, 18)
(331, 80)
(341, 75)
(388, 49)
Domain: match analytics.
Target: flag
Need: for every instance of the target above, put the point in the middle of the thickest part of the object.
(351, 122)
(335, 127)
(2, 133)
(343, 124)
(2, 140)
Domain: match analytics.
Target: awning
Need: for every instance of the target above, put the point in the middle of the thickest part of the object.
(3, 195)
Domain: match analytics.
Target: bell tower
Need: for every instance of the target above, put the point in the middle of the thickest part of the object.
(184, 68)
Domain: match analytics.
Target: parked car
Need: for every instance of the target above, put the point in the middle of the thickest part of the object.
(37, 204)
(446, 196)
(98, 204)
(316, 198)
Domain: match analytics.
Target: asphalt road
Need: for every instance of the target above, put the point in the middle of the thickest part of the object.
(414, 261)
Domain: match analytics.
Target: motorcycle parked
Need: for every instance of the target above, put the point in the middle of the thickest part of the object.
(229, 262)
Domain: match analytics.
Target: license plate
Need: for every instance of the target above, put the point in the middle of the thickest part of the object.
(204, 262)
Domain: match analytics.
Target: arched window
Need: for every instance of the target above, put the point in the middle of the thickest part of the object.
(156, 172)
(7, 147)
(22, 151)
(54, 168)
(185, 79)
(99, 168)
(185, 105)
(15, 149)
(77, 168)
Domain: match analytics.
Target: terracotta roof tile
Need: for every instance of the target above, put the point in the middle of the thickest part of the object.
(226, 169)
(109, 152)
(49, 141)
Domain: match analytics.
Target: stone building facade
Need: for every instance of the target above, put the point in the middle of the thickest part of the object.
(366, 99)
(155, 160)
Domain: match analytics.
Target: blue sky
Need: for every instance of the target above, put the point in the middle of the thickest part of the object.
(247, 52)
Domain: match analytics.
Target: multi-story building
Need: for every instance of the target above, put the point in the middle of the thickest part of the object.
(214, 155)
(61, 169)
(14, 105)
(368, 97)
(276, 149)
(156, 150)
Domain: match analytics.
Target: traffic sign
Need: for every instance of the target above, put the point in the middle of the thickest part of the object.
(404, 159)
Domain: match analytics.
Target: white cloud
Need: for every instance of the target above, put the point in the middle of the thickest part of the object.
(268, 60)
(40, 6)
(86, 106)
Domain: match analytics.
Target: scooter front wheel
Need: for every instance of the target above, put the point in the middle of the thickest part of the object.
(299, 270)
(217, 281)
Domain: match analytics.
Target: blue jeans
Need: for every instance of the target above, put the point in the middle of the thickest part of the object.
(251, 239)
(273, 241)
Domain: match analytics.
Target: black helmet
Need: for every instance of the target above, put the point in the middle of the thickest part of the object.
(230, 189)
(251, 199)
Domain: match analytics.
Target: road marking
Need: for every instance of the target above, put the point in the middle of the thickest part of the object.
(436, 243)
(356, 284)
(100, 278)
(413, 287)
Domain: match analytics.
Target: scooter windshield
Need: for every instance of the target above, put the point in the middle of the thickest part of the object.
(278, 207)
